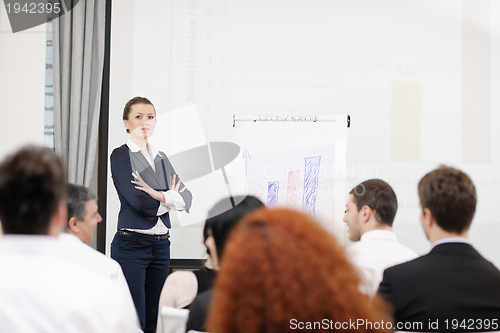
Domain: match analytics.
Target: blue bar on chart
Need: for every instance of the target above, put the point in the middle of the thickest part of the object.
(272, 194)
(311, 181)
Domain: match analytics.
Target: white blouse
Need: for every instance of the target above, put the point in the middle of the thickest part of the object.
(173, 200)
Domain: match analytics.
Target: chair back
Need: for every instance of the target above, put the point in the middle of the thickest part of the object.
(174, 320)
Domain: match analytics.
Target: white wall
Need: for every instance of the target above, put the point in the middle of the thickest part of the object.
(22, 85)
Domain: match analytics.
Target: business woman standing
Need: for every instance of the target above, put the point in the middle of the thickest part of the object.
(148, 188)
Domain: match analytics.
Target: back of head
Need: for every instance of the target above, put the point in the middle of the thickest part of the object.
(78, 196)
(281, 266)
(32, 184)
(451, 197)
(379, 196)
(224, 217)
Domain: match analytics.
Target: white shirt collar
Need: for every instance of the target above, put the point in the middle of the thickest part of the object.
(135, 148)
(67, 237)
(379, 234)
(450, 240)
(29, 243)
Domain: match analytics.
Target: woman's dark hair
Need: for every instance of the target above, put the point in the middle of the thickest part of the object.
(223, 217)
(132, 102)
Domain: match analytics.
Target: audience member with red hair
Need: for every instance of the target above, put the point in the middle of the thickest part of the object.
(282, 271)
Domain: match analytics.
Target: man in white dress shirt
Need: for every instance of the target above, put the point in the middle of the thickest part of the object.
(83, 216)
(41, 290)
(369, 215)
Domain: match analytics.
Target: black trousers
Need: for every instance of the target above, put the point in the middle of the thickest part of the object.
(145, 265)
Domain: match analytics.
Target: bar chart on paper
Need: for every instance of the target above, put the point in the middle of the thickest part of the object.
(294, 164)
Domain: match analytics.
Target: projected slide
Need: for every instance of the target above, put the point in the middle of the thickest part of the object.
(419, 78)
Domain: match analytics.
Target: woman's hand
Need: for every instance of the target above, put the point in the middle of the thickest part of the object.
(174, 186)
(140, 184)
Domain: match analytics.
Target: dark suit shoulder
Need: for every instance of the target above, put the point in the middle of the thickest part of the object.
(123, 149)
(450, 256)
(120, 159)
(409, 268)
(462, 256)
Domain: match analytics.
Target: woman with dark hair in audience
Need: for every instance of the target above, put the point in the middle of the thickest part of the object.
(222, 219)
(281, 272)
(181, 287)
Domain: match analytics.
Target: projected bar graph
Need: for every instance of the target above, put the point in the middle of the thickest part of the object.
(405, 121)
(476, 81)
(311, 180)
(292, 189)
(272, 194)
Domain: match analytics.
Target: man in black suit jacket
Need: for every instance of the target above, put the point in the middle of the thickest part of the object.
(452, 288)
